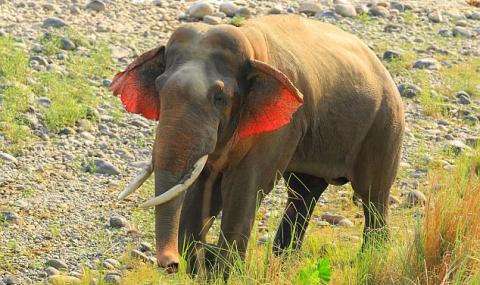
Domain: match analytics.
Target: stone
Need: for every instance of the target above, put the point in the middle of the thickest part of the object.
(106, 83)
(50, 271)
(54, 22)
(391, 55)
(212, 20)
(67, 44)
(379, 11)
(113, 262)
(63, 280)
(103, 167)
(229, 8)
(145, 246)
(66, 131)
(475, 16)
(117, 221)
(415, 198)
(346, 223)
(44, 102)
(397, 6)
(7, 157)
(276, 10)
(96, 5)
(435, 16)
(113, 278)
(11, 280)
(461, 32)
(332, 219)
(263, 239)
(40, 60)
(463, 98)
(409, 90)
(84, 125)
(243, 12)
(199, 10)
(393, 28)
(457, 146)
(309, 8)
(427, 63)
(461, 23)
(10, 216)
(57, 264)
(345, 10)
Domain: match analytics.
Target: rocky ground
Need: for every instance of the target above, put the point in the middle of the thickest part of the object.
(58, 204)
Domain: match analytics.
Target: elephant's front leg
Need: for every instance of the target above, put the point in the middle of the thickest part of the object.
(240, 197)
(202, 203)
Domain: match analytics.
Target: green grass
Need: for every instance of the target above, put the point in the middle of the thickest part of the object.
(73, 96)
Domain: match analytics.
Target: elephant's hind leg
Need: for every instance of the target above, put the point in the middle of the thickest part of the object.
(303, 193)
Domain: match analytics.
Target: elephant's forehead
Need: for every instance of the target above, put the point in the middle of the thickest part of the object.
(202, 39)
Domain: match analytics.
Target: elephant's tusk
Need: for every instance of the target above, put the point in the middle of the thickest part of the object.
(176, 190)
(137, 181)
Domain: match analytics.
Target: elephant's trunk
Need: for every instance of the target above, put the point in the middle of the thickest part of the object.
(178, 158)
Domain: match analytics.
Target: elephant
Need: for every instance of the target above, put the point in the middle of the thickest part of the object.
(240, 107)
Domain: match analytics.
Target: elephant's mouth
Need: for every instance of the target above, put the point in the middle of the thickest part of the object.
(170, 194)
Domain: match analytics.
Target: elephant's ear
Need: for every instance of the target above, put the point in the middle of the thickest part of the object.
(271, 101)
(136, 84)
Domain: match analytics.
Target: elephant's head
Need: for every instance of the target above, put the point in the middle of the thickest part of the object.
(208, 93)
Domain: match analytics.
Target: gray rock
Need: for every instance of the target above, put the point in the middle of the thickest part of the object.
(471, 119)
(345, 10)
(415, 198)
(212, 20)
(84, 125)
(435, 16)
(461, 23)
(67, 44)
(200, 9)
(96, 5)
(379, 11)
(103, 167)
(145, 246)
(457, 146)
(391, 55)
(66, 131)
(87, 136)
(7, 157)
(427, 63)
(397, 6)
(229, 8)
(106, 82)
(393, 28)
(50, 271)
(276, 10)
(57, 264)
(361, 9)
(37, 47)
(113, 262)
(44, 102)
(113, 278)
(463, 98)
(11, 280)
(40, 60)
(444, 33)
(475, 16)
(10, 216)
(332, 219)
(346, 223)
(117, 221)
(54, 22)
(461, 32)
(75, 10)
(243, 12)
(263, 239)
(64, 279)
(409, 90)
(309, 8)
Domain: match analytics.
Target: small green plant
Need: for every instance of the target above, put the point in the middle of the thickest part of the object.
(364, 18)
(409, 17)
(237, 21)
(316, 273)
(55, 230)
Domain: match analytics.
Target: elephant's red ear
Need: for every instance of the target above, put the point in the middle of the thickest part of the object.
(136, 84)
(271, 102)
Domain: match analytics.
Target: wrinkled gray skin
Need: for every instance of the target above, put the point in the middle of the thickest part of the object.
(349, 128)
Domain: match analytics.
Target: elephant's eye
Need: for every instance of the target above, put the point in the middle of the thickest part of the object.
(219, 99)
